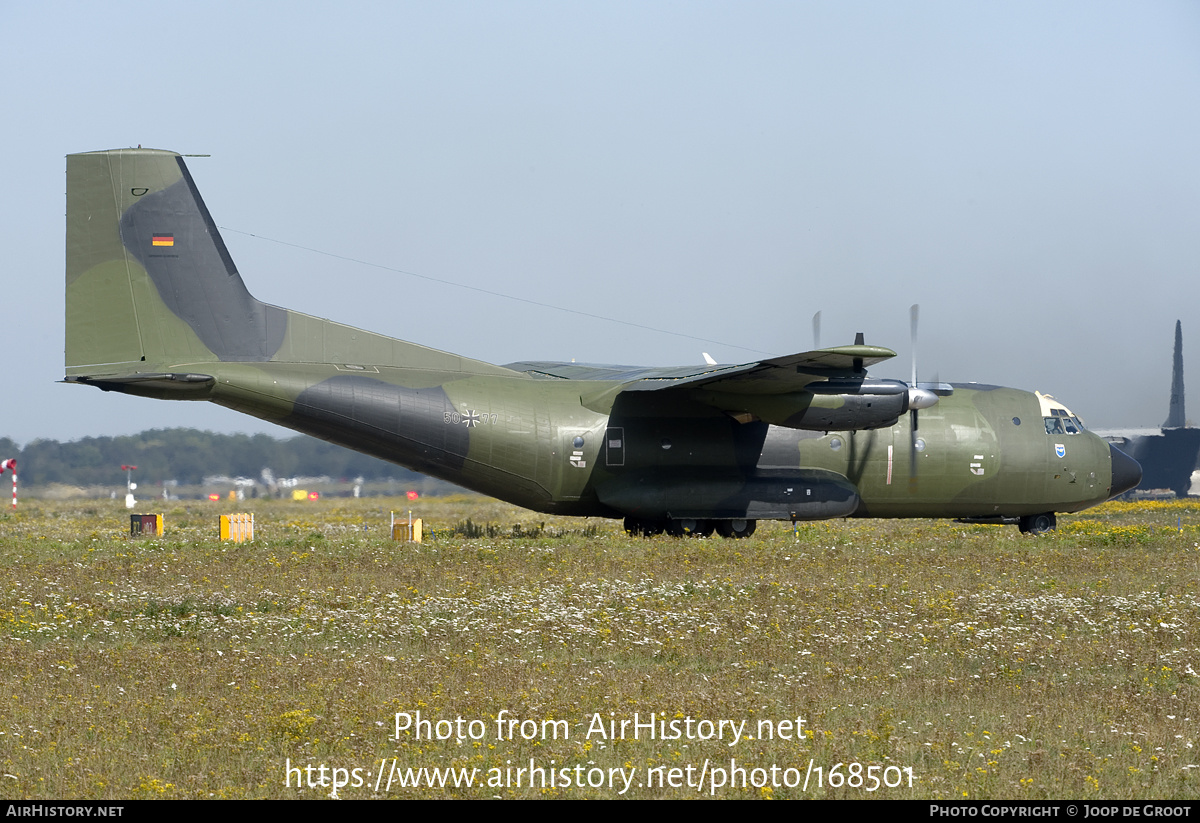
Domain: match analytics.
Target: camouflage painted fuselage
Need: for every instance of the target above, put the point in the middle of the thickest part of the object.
(155, 307)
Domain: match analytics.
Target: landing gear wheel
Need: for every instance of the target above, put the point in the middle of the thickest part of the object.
(689, 527)
(736, 528)
(636, 527)
(1037, 523)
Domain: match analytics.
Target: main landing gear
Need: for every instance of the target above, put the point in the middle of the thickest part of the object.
(1037, 523)
(689, 527)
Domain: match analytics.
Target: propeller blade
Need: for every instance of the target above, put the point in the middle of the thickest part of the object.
(912, 451)
(915, 315)
(817, 330)
(918, 398)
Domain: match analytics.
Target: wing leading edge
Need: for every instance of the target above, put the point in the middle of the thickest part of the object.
(793, 372)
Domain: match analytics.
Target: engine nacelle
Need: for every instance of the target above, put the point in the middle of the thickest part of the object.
(830, 405)
(848, 412)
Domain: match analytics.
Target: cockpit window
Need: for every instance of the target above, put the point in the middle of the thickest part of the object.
(1062, 422)
(1059, 420)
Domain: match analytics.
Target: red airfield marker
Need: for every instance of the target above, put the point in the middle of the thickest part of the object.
(11, 463)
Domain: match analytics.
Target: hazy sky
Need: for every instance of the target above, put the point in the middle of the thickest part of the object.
(1028, 172)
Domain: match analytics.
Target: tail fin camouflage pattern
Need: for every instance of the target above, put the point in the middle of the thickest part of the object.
(155, 307)
(151, 287)
(150, 283)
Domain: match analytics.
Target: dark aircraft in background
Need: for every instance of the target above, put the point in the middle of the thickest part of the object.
(156, 308)
(1168, 455)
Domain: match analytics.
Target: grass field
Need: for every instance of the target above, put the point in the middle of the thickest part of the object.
(851, 659)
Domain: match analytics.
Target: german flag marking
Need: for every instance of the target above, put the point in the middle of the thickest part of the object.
(163, 240)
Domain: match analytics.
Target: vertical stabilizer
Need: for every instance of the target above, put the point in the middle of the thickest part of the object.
(152, 290)
(149, 280)
(1176, 418)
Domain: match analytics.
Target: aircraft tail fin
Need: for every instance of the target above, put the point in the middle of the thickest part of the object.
(1176, 417)
(155, 303)
(149, 282)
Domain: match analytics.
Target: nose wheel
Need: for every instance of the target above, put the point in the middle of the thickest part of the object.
(1037, 523)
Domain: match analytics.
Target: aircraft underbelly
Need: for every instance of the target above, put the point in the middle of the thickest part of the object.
(720, 493)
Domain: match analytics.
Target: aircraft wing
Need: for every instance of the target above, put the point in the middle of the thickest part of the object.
(822, 390)
(777, 375)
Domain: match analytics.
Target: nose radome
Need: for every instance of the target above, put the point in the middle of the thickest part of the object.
(1126, 472)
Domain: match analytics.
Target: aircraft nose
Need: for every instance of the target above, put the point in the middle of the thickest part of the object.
(1126, 472)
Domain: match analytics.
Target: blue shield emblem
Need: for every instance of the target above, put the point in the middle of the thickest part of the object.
(1060, 450)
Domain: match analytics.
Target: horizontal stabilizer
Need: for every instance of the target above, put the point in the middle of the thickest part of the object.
(164, 385)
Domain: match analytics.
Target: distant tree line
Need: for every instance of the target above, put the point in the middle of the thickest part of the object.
(188, 456)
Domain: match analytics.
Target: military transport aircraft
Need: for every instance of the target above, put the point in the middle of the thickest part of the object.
(1168, 455)
(156, 308)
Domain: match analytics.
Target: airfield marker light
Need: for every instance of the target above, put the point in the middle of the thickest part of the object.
(129, 486)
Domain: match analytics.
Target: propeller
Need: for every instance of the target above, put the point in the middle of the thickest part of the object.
(918, 398)
(817, 331)
(914, 314)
